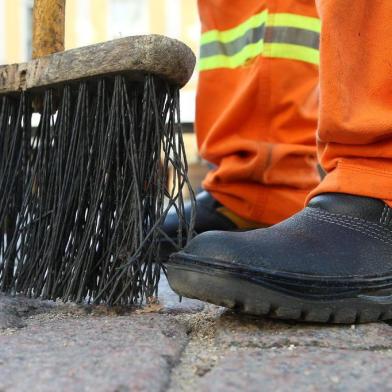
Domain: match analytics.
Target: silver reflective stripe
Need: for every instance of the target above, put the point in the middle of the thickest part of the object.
(271, 34)
(292, 35)
(231, 48)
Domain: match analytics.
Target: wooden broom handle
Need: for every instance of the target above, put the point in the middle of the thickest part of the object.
(48, 27)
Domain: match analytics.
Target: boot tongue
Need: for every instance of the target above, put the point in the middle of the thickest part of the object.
(373, 210)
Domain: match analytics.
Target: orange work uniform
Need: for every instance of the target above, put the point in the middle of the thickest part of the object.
(257, 104)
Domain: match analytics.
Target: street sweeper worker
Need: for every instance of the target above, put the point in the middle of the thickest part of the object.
(259, 104)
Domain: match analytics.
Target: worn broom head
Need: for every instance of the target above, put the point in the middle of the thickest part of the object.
(84, 194)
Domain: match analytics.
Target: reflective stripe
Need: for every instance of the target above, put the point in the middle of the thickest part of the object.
(292, 35)
(293, 20)
(292, 52)
(240, 58)
(287, 35)
(231, 48)
(276, 35)
(237, 32)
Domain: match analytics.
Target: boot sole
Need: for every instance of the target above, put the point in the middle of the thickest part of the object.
(232, 291)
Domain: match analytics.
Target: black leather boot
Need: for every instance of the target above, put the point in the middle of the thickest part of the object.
(209, 215)
(331, 262)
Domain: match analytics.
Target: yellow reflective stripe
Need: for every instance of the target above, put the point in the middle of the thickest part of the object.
(293, 20)
(240, 58)
(236, 32)
(292, 52)
(271, 50)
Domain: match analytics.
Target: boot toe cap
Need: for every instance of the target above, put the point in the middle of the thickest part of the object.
(222, 246)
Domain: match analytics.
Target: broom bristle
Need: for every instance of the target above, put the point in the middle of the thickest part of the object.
(83, 197)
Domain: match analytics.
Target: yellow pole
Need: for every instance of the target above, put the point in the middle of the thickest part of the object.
(48, 27)
(156, 12)
(189, 17)
(71, 9)
(13, 31)
(99, 10)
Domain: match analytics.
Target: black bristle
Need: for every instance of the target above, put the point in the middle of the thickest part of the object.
(83, 197)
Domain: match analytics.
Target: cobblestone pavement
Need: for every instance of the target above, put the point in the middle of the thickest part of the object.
(186, 346)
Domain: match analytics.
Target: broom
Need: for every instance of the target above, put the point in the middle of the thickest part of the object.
(84, 194)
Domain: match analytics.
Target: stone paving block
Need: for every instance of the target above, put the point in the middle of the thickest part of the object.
(14, 309)
(9, 317)
(77, 352)
(236, 330)
(302, 369)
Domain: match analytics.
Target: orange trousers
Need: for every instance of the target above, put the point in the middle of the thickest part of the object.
(257, 102)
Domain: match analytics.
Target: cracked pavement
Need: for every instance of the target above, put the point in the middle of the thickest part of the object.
(187, 346)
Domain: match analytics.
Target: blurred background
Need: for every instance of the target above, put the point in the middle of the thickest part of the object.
(93, 21)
